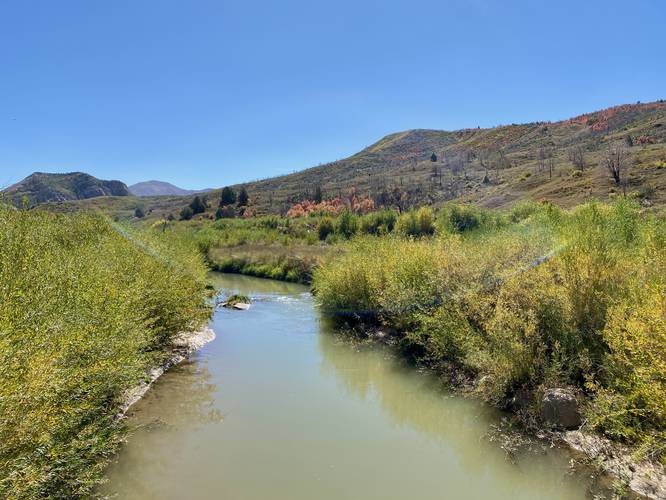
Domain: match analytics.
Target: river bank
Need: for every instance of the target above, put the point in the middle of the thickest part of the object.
(183, 345)
(644, 478)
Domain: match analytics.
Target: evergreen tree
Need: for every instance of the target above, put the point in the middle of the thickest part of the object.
(198, 206)
(243, 198)
(228, 197)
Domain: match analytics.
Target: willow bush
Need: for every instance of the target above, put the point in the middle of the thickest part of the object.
(536, 298)
(85, 308)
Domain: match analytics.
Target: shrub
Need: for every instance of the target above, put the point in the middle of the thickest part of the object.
(86, 306)
(461, 218)
(408, 225)
(425, 221)
(379, 222)
(198, 205)
(325, 227)
(186, 213)
(347, 223)
(226, 212)
(552, 298)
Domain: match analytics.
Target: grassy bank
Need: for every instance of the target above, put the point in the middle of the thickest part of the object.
(267, 247)
(527, 300)
(85, 307)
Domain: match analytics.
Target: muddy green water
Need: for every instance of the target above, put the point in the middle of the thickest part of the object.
(279, 407)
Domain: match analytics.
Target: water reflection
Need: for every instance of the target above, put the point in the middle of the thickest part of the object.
(418, 401)
(280, 407)
(182, 399)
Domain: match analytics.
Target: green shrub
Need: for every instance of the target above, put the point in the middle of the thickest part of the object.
(425, 221)
(379, 223)
(86, 306)
(347, 223)
(461, 218)
(325, 228)
(186, 213)
(540, 298)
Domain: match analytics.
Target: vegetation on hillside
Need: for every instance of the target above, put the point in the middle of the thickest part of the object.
(42, 188)
(568, 163)
(523, 301)
(86, 306)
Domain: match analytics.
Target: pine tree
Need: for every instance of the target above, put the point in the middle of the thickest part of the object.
(243, 198)
(228, 197)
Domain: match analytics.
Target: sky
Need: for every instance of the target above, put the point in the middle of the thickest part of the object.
(206, 93)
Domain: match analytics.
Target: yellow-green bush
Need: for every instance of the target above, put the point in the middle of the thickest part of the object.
(85, 308)
(540, 298)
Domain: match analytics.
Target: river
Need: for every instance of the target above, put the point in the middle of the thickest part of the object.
(280, 407)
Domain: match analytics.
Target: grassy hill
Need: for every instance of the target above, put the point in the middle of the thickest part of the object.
(493, 167)
(43, 188)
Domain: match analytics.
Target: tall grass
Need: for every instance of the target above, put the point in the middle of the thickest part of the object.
(85, 308)
(535, 298)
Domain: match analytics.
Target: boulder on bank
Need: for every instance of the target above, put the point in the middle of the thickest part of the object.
(560, 408)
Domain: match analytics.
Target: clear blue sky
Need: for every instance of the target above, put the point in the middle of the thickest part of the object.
(206, 93)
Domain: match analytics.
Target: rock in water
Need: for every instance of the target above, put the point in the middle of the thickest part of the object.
(560, 408)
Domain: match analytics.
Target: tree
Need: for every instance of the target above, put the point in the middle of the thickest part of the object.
(433, 157)
(616, 161)
(227, 197)
(139, 213)
(483, 155)
(198, 205)
(551, 165)
(318, 194)
(577, 157)
(186, 213)
(243, 198)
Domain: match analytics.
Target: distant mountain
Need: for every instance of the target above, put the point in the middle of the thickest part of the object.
(159, 188)
(42, 187)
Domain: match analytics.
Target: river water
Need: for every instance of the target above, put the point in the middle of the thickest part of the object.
(280, 407)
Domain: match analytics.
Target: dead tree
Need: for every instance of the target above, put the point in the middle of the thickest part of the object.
(616, 162)
(551, 165)
(577, 157)
(483, 155)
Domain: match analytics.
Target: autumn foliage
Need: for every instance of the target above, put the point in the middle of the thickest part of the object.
(333, 206)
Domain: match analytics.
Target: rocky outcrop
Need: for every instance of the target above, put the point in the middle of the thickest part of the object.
(560, 409)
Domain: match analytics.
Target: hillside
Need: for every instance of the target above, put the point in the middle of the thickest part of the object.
(493, 167)
(513, 158)
(43, 187)
(160, 188)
